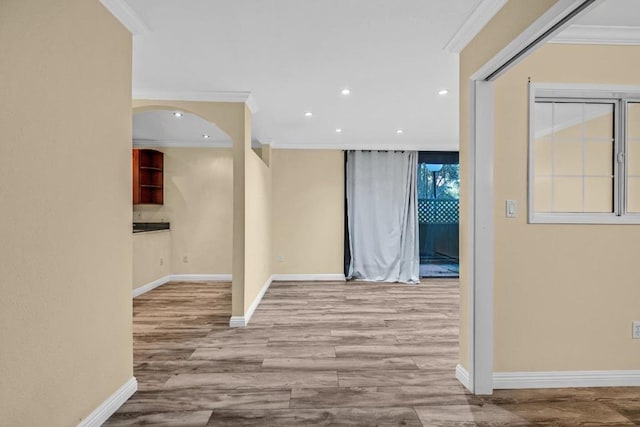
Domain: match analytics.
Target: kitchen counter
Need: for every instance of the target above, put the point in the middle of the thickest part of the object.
(143, 227)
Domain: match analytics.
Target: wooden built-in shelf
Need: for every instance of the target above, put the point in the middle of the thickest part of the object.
(148, 177)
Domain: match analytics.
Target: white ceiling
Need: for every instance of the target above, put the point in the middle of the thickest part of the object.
(163, 128)
(613, 13)
(297, 55)
(609, 22)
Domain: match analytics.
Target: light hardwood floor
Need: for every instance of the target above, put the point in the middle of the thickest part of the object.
(329, 354)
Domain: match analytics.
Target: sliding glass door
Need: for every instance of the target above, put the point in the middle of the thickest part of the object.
(438, 196)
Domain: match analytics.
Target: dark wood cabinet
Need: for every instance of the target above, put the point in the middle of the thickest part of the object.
(148, 177)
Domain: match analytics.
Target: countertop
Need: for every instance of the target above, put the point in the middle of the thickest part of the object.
(143, 227)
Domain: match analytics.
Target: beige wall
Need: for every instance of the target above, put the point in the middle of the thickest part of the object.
(507, 24)
(565, 295)
(308, 211)
(198, 201)
(257, 263)
(251, 249)
(307, 216)
(235, 120)
(65, 221)
(151, 257)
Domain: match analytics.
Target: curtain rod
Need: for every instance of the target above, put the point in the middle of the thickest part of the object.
(381, 151)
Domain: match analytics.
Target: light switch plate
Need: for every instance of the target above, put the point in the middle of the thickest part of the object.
(636, 330)
(510, 208)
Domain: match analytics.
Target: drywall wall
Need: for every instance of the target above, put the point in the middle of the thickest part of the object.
(506, 25)
(308, 211)
(151, 257)
(65, 221)
(198, 201)
(230, 117)
(251, 253)
(257, 264)
(565, 295)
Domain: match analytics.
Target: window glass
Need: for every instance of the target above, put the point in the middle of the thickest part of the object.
(573, 154)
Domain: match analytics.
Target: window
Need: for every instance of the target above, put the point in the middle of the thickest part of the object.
(584, 155)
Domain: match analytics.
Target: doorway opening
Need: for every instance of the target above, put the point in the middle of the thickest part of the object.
(438, 220)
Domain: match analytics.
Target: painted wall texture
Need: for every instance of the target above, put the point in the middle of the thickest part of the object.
(65, 221)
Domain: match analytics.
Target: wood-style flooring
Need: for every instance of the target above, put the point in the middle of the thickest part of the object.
(328, 354)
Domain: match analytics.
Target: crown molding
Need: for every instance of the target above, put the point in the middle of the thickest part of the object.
(127, 16)
(363, 146)
(150, 143)
(481, 15)
(599, 34)
(198, 95)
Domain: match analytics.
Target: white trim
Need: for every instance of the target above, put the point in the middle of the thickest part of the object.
(110, 405)
(480, 245)
(237, 322)
(547, 20)
(151, 285)
(127, 16)
(599, 34)
(483, 263)
(242, 321)
(462, 375)
(580, 218)
(563, 379)
(309, 277)
(583, 90)
(146, 143)
(198, 95)
(201, 277)
(474, 23)
(468, 260)
(418, 146)
(181, 278)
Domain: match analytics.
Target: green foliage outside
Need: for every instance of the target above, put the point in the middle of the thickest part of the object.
(447, 185)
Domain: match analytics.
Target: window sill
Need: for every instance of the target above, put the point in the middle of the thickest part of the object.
(558, 218)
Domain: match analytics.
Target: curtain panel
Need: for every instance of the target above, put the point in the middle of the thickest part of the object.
(382, 216)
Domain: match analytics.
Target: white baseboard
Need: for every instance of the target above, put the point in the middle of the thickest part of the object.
(237, 322)
(563, 379)
(462, 375)
(110, 405)
(181, 278)
(151, 285)
(201, 277)
(308, 277)
(242, 321)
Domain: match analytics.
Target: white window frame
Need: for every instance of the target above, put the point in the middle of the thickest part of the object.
(620, 95)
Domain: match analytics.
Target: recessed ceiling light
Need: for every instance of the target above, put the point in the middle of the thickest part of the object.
(205, 136)
(345, 91)
(338, 130)
(177, 114)
(399, 131)
(308, 114)
(443, 92)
